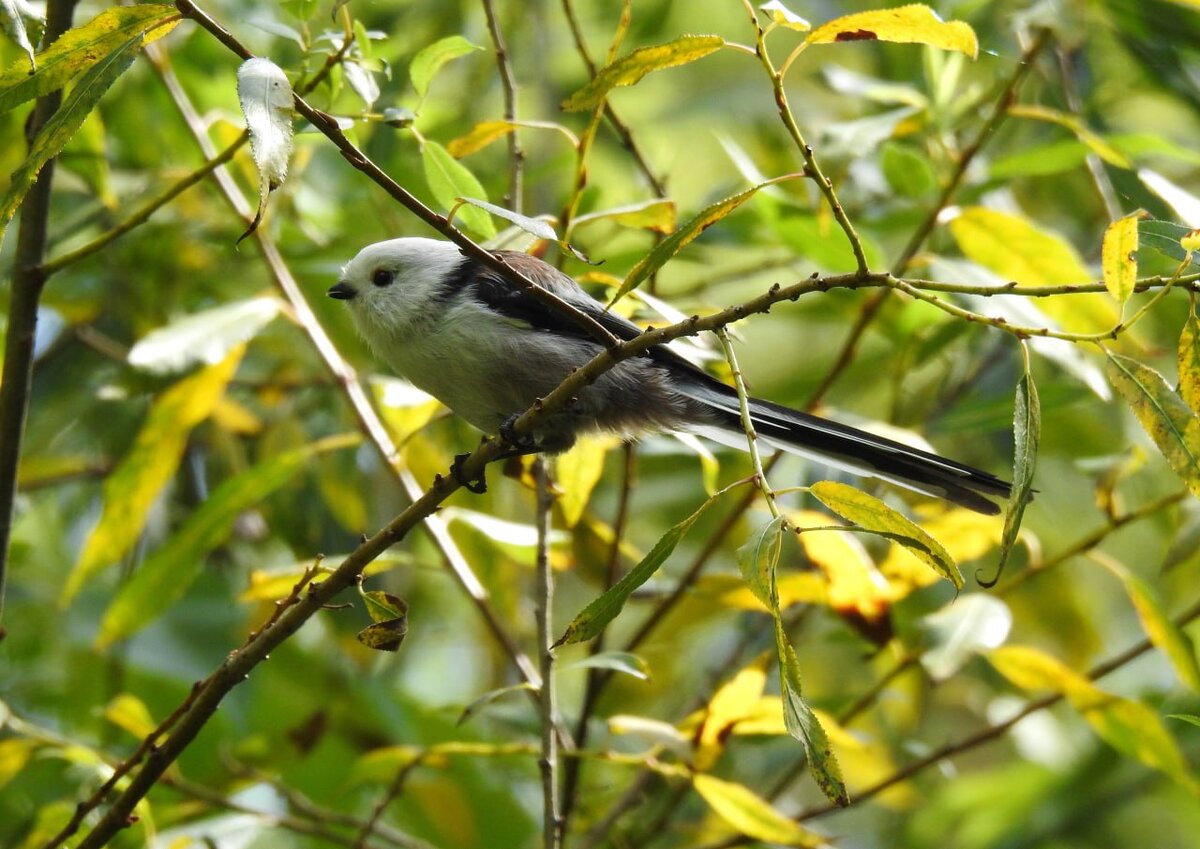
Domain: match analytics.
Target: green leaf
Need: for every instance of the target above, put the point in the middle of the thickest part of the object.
(629, 69)
(614, 661)
(907, 171)
(1027, 432)
(1163, 237)
(62, 125)
(169, 571)
(803, 724)
(205, 337)
(450, 180)
(591, 620)
(1172, 425)
(1194, 720)
(534, 226)
(1039, 161)
(959, 631)
(14, 24)
(656, 215)
(913, 24)
(678, 240)
(758, 558)
(752, 815)
(1119, 260)
(1189, 362)
(150, 463)
(873, 515)
(429, 61)
(79, 49)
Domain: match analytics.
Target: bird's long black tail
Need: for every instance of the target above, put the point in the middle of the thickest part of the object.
(850, 449)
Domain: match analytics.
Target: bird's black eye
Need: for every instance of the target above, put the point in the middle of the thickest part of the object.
(383, 277)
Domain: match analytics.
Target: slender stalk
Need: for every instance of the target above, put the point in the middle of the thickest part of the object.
(548, 710)
(760, 475)
(516, 156)
(28, 280)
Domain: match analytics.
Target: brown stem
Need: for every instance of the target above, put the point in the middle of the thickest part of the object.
(28, 280)
(516, 156)
(552, 820)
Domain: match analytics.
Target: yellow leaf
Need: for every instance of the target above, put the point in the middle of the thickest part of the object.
(1118, 260)
(129, 713)
(855, 585)
(1129, 727)
(1191, 242)
(131, 489)
(631, 68)
(403, 408)
(733, 702)
(14, 754)
(480, 136)
(785, 17)
(1017, 250)
(965, 534)
(577, 472)
(1189, 362)
(236, 418)
(750, 814)
(913, 24)
(1170, 639)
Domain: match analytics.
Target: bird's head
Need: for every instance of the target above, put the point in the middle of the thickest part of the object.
(393, 287)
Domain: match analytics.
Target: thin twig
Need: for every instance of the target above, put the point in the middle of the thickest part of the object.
(516, 156)
(873, 304)
(28, 280)
(548, 710)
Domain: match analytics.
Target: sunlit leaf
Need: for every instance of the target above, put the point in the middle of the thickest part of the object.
(1119, 257)
(870, 513)
(449, 180)
(657, 215)
(752, 815)
(1172, 425)
(757, 558)
(1194, 720)
(577, 472)
(613, 661)
(534, 226)
(168, 571)
(403, 408)
(591, 620)
(486, 132)
(733, 701)
(1189, 362)
(274, 584)
(205, 337)
(1170, 639)
(803, 724)
(429, 60)
(913, 24)
(855, 587)
(631, 68)
(785, 17)
(129, 713)
(78, 49)
(678, 240)
(13, 22)
(151, 462)
(1129, 727)
(956, 633)
(267, 104)
(84, 95)
(1185, 204)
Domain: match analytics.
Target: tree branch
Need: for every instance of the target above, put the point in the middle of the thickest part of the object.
(552, 820)
(516, 156)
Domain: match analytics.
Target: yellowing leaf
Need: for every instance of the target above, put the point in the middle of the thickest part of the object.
(1172, 425)
(1118, 257)
(870, 513)
(1165, 634)
(785, 17)
(854, 584)
(129, 713)
(486, 132)
(733, 702)
(577, 472)
(913, 24)
(15, 752)
(450, 180)
(631, 68)
(1189, 362)
(750, 814)
(965, 534)
(1098, 145)
(403, 408)
(1129, 727)
(657, 215)
(78, 49)
(1017, 250)
(151, 462)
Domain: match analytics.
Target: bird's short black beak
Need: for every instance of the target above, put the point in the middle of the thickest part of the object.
(343, 291)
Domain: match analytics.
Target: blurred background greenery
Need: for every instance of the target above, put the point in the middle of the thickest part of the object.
(324, 717)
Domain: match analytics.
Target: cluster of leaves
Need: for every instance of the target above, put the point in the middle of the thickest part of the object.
(194, 439)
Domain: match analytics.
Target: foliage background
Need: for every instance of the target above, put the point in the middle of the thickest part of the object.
(320, 718)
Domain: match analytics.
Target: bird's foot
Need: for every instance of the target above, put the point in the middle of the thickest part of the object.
(522, 442)
(477, 485)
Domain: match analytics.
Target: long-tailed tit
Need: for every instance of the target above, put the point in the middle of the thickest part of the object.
(486, 349)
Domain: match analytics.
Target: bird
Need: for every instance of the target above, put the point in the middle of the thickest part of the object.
(463, 332)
